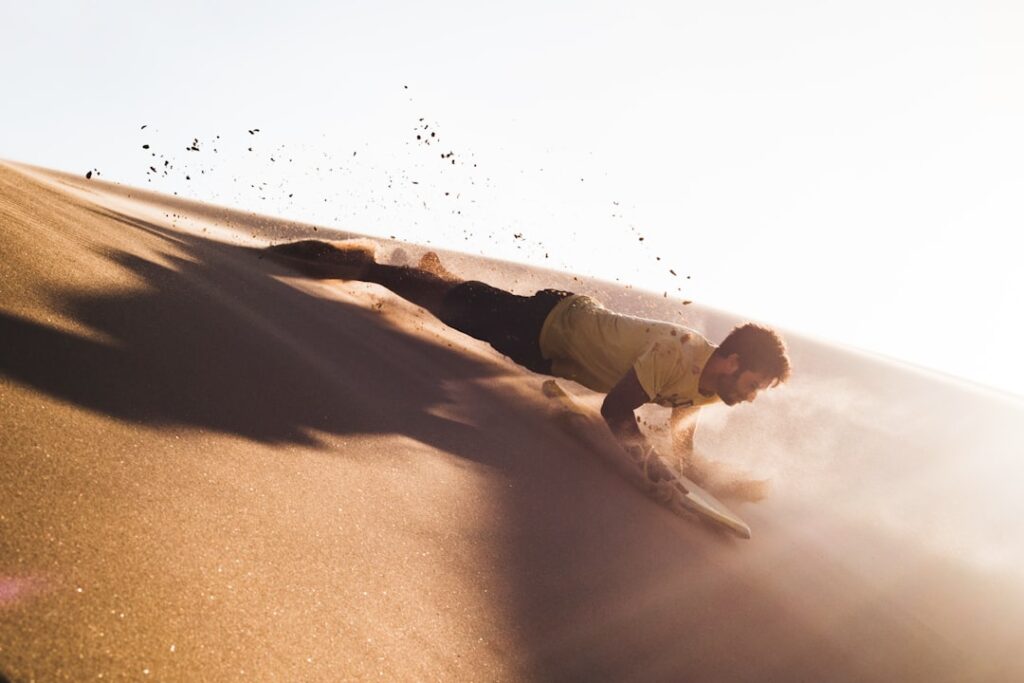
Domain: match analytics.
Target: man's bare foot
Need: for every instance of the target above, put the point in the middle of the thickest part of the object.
(399, 257)
(431, 263)
(326, 260)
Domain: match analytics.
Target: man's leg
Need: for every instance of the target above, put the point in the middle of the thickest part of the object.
(419, 286)
(424, 287)
(508, 322)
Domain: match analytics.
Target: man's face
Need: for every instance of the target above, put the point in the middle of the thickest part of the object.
(742, 386)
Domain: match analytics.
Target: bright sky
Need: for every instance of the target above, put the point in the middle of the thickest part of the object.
(848, 170)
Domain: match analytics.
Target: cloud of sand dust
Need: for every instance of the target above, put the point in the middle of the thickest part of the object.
(939, 471)
(790, 438)
(796, 434)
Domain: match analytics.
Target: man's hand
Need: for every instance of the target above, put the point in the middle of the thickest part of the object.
(663, 484)
(617, 411)
(654, 468)
(619, 404)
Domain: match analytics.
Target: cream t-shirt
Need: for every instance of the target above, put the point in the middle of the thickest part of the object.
(589, 344)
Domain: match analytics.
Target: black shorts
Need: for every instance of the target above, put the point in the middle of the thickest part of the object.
(508, 322)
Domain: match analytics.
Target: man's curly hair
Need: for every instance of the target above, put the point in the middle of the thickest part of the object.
(759, 349)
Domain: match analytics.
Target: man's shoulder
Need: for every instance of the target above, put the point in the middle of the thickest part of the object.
(692, 336)
(577, 304)
(685, 337)
(674, 361)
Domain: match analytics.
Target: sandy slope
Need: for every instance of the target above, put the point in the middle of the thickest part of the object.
(214, 470)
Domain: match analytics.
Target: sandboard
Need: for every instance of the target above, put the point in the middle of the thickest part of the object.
(686, 497)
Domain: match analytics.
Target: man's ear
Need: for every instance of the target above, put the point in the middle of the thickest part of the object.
(732, 363)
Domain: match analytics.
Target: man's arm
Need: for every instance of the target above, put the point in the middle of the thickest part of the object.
(617, 411)
(619, 404)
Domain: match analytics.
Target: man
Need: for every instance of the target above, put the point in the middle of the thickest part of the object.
(632, 360)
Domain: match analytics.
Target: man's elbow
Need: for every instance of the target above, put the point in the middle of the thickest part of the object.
(609, 411)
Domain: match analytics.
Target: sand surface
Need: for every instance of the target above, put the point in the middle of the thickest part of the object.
(213, 469)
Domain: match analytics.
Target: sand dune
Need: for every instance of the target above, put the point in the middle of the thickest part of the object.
(213, 469)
